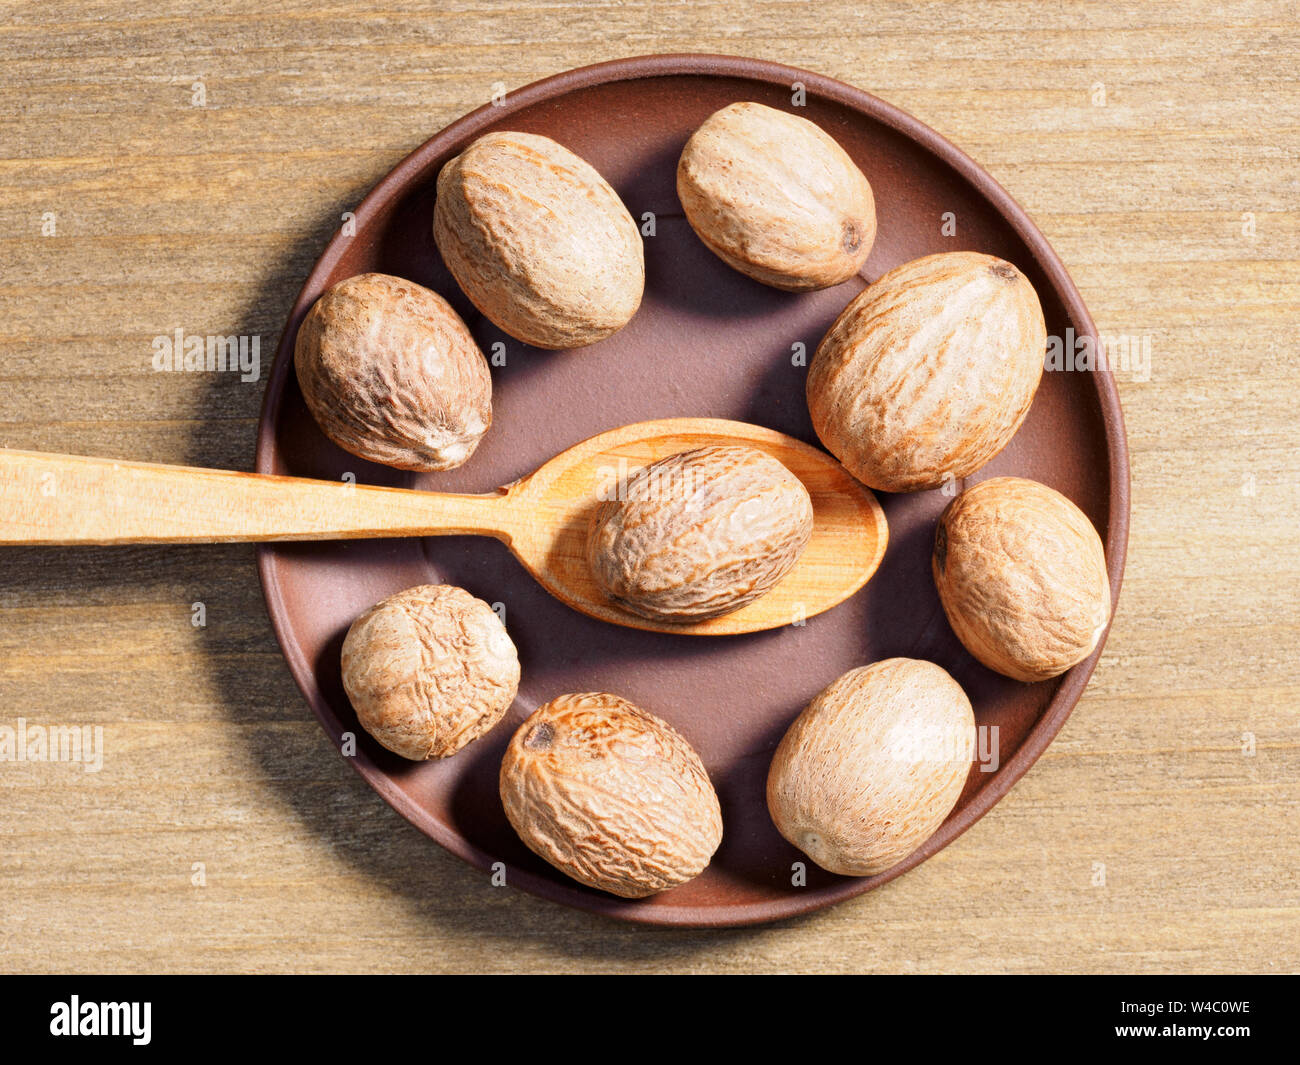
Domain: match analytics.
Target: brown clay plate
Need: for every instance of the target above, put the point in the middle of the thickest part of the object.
(707, 342)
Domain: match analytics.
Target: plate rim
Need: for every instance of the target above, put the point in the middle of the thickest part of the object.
(1063, 701)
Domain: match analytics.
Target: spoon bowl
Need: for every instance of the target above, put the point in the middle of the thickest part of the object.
(848, 539)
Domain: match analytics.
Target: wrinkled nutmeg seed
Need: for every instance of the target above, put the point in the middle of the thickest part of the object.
(391, 374)
(610, 795)
(700, 533)
(538, 240)
(929, 372)
(1021, 573)
(428, 670)
(775, 197)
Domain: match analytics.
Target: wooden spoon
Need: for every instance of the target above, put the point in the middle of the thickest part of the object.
(542, 518)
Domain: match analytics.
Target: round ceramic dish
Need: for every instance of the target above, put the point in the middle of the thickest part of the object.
(706, 342)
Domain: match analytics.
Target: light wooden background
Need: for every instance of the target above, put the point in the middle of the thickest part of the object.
(1176, 205)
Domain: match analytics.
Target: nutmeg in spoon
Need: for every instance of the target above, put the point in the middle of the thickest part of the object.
(700, 534)
(543, 518)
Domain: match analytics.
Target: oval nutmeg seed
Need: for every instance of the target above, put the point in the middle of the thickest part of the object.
(700, 533)
(1021, 573)
(776, 197)
(610, 795)
(391, 374)
(872, 766)
(428, 670)
(929, 372)
(539, 241)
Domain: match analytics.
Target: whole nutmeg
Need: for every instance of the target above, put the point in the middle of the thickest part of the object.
(929, 372)
(539, 241)
(610, 795)
(1021, 573)
(872, 766)
(391, 374)
(775, 197)
(428, 670)
(700, 533)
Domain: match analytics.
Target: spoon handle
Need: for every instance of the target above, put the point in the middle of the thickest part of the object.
(68, 499)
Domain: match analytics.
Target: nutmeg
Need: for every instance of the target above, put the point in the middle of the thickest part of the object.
(538, 240)
(428, 670)
(700, 533)
(391, 374)
(1021, 573)
(610, 795)
(872, 766)
(776, 197)
(929, 371)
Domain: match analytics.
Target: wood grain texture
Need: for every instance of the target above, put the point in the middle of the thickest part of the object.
(1157, 146)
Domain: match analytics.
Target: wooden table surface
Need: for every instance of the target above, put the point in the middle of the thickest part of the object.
(163, 165)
